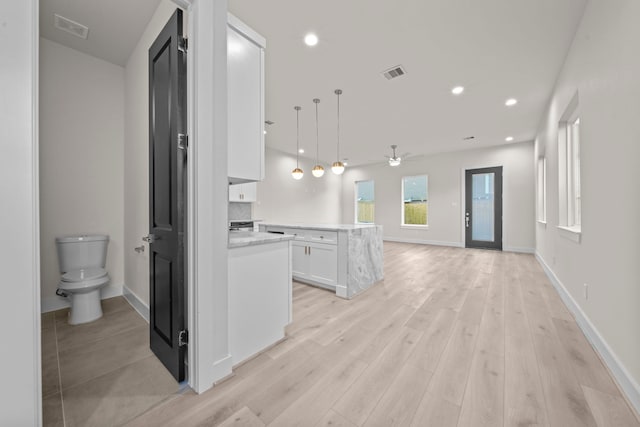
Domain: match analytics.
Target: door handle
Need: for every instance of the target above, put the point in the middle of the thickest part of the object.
(467, 219)
(309, 250)
(150, 238)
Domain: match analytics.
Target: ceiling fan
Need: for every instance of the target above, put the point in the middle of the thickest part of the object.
(395, 160)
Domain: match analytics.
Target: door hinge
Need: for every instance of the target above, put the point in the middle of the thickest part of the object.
(183, 338)
(183, 44)
(183, 141)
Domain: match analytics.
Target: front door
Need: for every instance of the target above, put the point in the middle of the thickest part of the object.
(483, 208)
(167, 194)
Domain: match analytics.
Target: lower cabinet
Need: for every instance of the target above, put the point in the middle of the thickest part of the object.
(317, 262)
(259, 297)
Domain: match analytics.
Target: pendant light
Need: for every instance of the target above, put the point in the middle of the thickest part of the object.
(338, 167)
(318, 170)
(297, 173)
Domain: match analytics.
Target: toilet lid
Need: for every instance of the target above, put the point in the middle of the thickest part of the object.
(84, 275)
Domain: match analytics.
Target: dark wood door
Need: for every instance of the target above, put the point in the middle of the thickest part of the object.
(167, 194)
(483, 208)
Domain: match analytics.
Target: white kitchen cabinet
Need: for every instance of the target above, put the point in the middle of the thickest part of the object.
(247, 192)
(317, 262)
(245, 101)
(259, 297)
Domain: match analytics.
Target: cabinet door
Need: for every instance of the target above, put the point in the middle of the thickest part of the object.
(323, 263)
(300, 260)
(245, 107)
(235, 193)
(250, 192)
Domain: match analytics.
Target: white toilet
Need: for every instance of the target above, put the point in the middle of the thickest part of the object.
(82, 260)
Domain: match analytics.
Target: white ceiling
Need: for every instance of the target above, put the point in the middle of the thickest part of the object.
(496, 49)
(115, 26)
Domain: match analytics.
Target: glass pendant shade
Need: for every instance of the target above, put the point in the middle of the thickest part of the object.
(317, 171)
(297, 173)
(394, 161)
(337, 168)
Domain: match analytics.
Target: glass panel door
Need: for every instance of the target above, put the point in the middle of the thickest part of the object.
(483, 208)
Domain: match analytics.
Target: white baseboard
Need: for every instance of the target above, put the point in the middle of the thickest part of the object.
(54, 302)
(138, 305)
(423, 242)
(626, 382)
(454, 244)
(518, 250)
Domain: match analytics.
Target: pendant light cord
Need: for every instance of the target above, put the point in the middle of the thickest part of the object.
(338, 92)
(317, 101)
(297, 136)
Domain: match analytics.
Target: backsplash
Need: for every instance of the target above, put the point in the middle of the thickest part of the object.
(239, 211)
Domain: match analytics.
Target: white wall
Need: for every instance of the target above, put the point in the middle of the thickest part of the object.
(283, 199)
(603, 67)
(81, 159)
(136, 155)
(20, 398)
(446, 194)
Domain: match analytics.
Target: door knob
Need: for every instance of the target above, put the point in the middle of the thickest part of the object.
(150, 238)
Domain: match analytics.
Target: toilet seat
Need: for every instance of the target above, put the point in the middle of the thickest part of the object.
(80, 279)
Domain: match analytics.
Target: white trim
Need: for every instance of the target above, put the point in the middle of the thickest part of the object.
(542, 223)
(248, 32)
(414, 226)
(571, 233)
(518, 250)
(622, 376)
(135, 302)
(423, 242)
(207, 195)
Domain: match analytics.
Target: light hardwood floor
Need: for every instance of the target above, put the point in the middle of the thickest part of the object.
(451, 337)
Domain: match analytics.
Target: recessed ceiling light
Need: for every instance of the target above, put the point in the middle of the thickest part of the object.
(301, 151)
(511, 102)
(509, 139)
(311, 39)
(457, 90)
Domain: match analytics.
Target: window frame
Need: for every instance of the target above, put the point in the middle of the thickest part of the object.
(569, 189)
(355, 199)
(402, 207)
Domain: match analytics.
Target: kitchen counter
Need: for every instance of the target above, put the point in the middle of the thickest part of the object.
(347, 258)
(324, 227)
(238, 239)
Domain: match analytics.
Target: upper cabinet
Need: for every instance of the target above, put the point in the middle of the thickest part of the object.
(245, 94)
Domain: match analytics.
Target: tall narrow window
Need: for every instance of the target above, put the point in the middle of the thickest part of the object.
(573, 173)
(365, 202)
(414, 201)
(542, 189)
(569, 188)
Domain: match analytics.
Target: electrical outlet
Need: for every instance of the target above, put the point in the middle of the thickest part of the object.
(586, 291)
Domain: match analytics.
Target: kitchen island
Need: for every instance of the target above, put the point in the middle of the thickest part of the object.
(259, 291)
(345, 258)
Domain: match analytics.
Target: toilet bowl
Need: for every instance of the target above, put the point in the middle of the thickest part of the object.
(81, 260)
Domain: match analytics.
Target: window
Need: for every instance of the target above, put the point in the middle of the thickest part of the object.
(365, 202)
(573, 173)
(569, 206)
(414, 201)
(542, 189)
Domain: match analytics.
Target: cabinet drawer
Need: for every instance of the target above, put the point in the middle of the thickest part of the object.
(330, 237)
(299, 234)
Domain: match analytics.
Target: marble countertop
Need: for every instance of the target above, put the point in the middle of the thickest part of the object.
(238, 239)
(323, 227)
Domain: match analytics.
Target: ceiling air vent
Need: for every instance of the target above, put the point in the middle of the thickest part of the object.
(394, 72)
(70, 26)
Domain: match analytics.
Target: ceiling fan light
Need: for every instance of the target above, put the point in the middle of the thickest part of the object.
(317, 171)
(297, 173)
(395, 161)
(337, 168)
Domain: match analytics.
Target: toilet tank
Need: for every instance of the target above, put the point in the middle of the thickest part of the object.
(81, 252)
